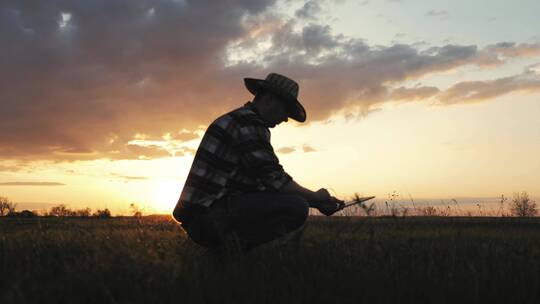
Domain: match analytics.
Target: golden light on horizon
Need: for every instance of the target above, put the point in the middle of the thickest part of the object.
(400, 108)
(165, 195)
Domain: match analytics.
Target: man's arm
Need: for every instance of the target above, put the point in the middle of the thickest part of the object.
(258, 159)
(257, 156)
(314, 198)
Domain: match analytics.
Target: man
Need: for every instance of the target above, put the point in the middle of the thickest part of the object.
(236, 191)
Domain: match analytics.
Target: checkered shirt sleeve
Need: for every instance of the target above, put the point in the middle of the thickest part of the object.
(257, 157)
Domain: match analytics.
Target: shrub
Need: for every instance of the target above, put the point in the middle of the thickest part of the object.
(522, 205)
(105, 213)
(60, 210)
(86, 212)
(24, 213)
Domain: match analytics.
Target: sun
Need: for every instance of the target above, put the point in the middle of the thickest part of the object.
(165, 195)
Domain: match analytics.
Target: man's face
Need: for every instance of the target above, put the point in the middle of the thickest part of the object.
(274, 112)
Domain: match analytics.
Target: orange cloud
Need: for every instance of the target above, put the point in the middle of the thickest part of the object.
(412, 94)
(80, 89)
(32, 184)
(286, 150)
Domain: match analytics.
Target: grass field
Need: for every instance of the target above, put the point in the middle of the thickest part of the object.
(332, 260)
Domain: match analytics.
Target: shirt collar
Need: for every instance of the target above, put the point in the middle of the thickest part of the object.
(250, 106)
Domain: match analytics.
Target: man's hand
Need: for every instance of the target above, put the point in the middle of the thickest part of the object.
(331, 206)
(322, 195)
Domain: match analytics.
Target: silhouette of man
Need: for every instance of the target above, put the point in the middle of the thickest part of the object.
(236, 191)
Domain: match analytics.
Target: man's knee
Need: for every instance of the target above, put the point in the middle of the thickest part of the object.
(177, 214)
(299, 207)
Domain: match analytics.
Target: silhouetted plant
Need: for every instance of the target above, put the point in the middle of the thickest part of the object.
(429, 211)
(394, 208)
(6, 206)
(522, 205)
(135, 209)
(369, 210)
(501, 205)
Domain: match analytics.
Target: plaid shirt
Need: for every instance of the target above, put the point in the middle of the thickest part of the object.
(235, 156)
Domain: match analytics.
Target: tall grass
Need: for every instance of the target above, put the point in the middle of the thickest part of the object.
(332, 260)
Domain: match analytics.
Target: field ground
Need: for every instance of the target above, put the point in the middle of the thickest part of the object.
(332, 260)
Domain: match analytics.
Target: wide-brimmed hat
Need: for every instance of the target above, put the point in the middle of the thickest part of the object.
(283, 87)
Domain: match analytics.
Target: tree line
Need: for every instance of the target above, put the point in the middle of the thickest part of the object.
(520, 206)
(8, 208)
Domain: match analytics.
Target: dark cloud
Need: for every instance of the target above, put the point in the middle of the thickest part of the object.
(310, 10)
(31, 184)
(115, 69)
(79, 80)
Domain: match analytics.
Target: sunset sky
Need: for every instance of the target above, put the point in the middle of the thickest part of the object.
(103, 103)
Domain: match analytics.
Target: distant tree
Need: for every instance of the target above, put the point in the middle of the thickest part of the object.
(105, 213)
(522, 205)
(24, 213)
(60, 210)
(6, 206)
(135, 209)
(86, 212)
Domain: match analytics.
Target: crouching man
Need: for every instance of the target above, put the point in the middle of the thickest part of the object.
(236, 191)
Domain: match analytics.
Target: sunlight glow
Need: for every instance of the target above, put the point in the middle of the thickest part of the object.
(165, 195)
(66, 17)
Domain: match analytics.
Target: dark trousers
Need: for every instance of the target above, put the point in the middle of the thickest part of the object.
(248, 220)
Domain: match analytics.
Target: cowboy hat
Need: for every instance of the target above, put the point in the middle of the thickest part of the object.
(285, 88)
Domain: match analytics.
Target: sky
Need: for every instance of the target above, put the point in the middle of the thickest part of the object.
(103, 103)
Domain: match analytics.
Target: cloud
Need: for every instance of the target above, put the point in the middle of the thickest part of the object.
(476, 91)
(512, 49)
(308, 148)
(184, 135)
(496, 54)
(310, 10)
(129, 178)
(412, 94)
(437, 13)
(10, 168)
(114, 70)
(286, 150)
(82, 87)
(31, 184)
